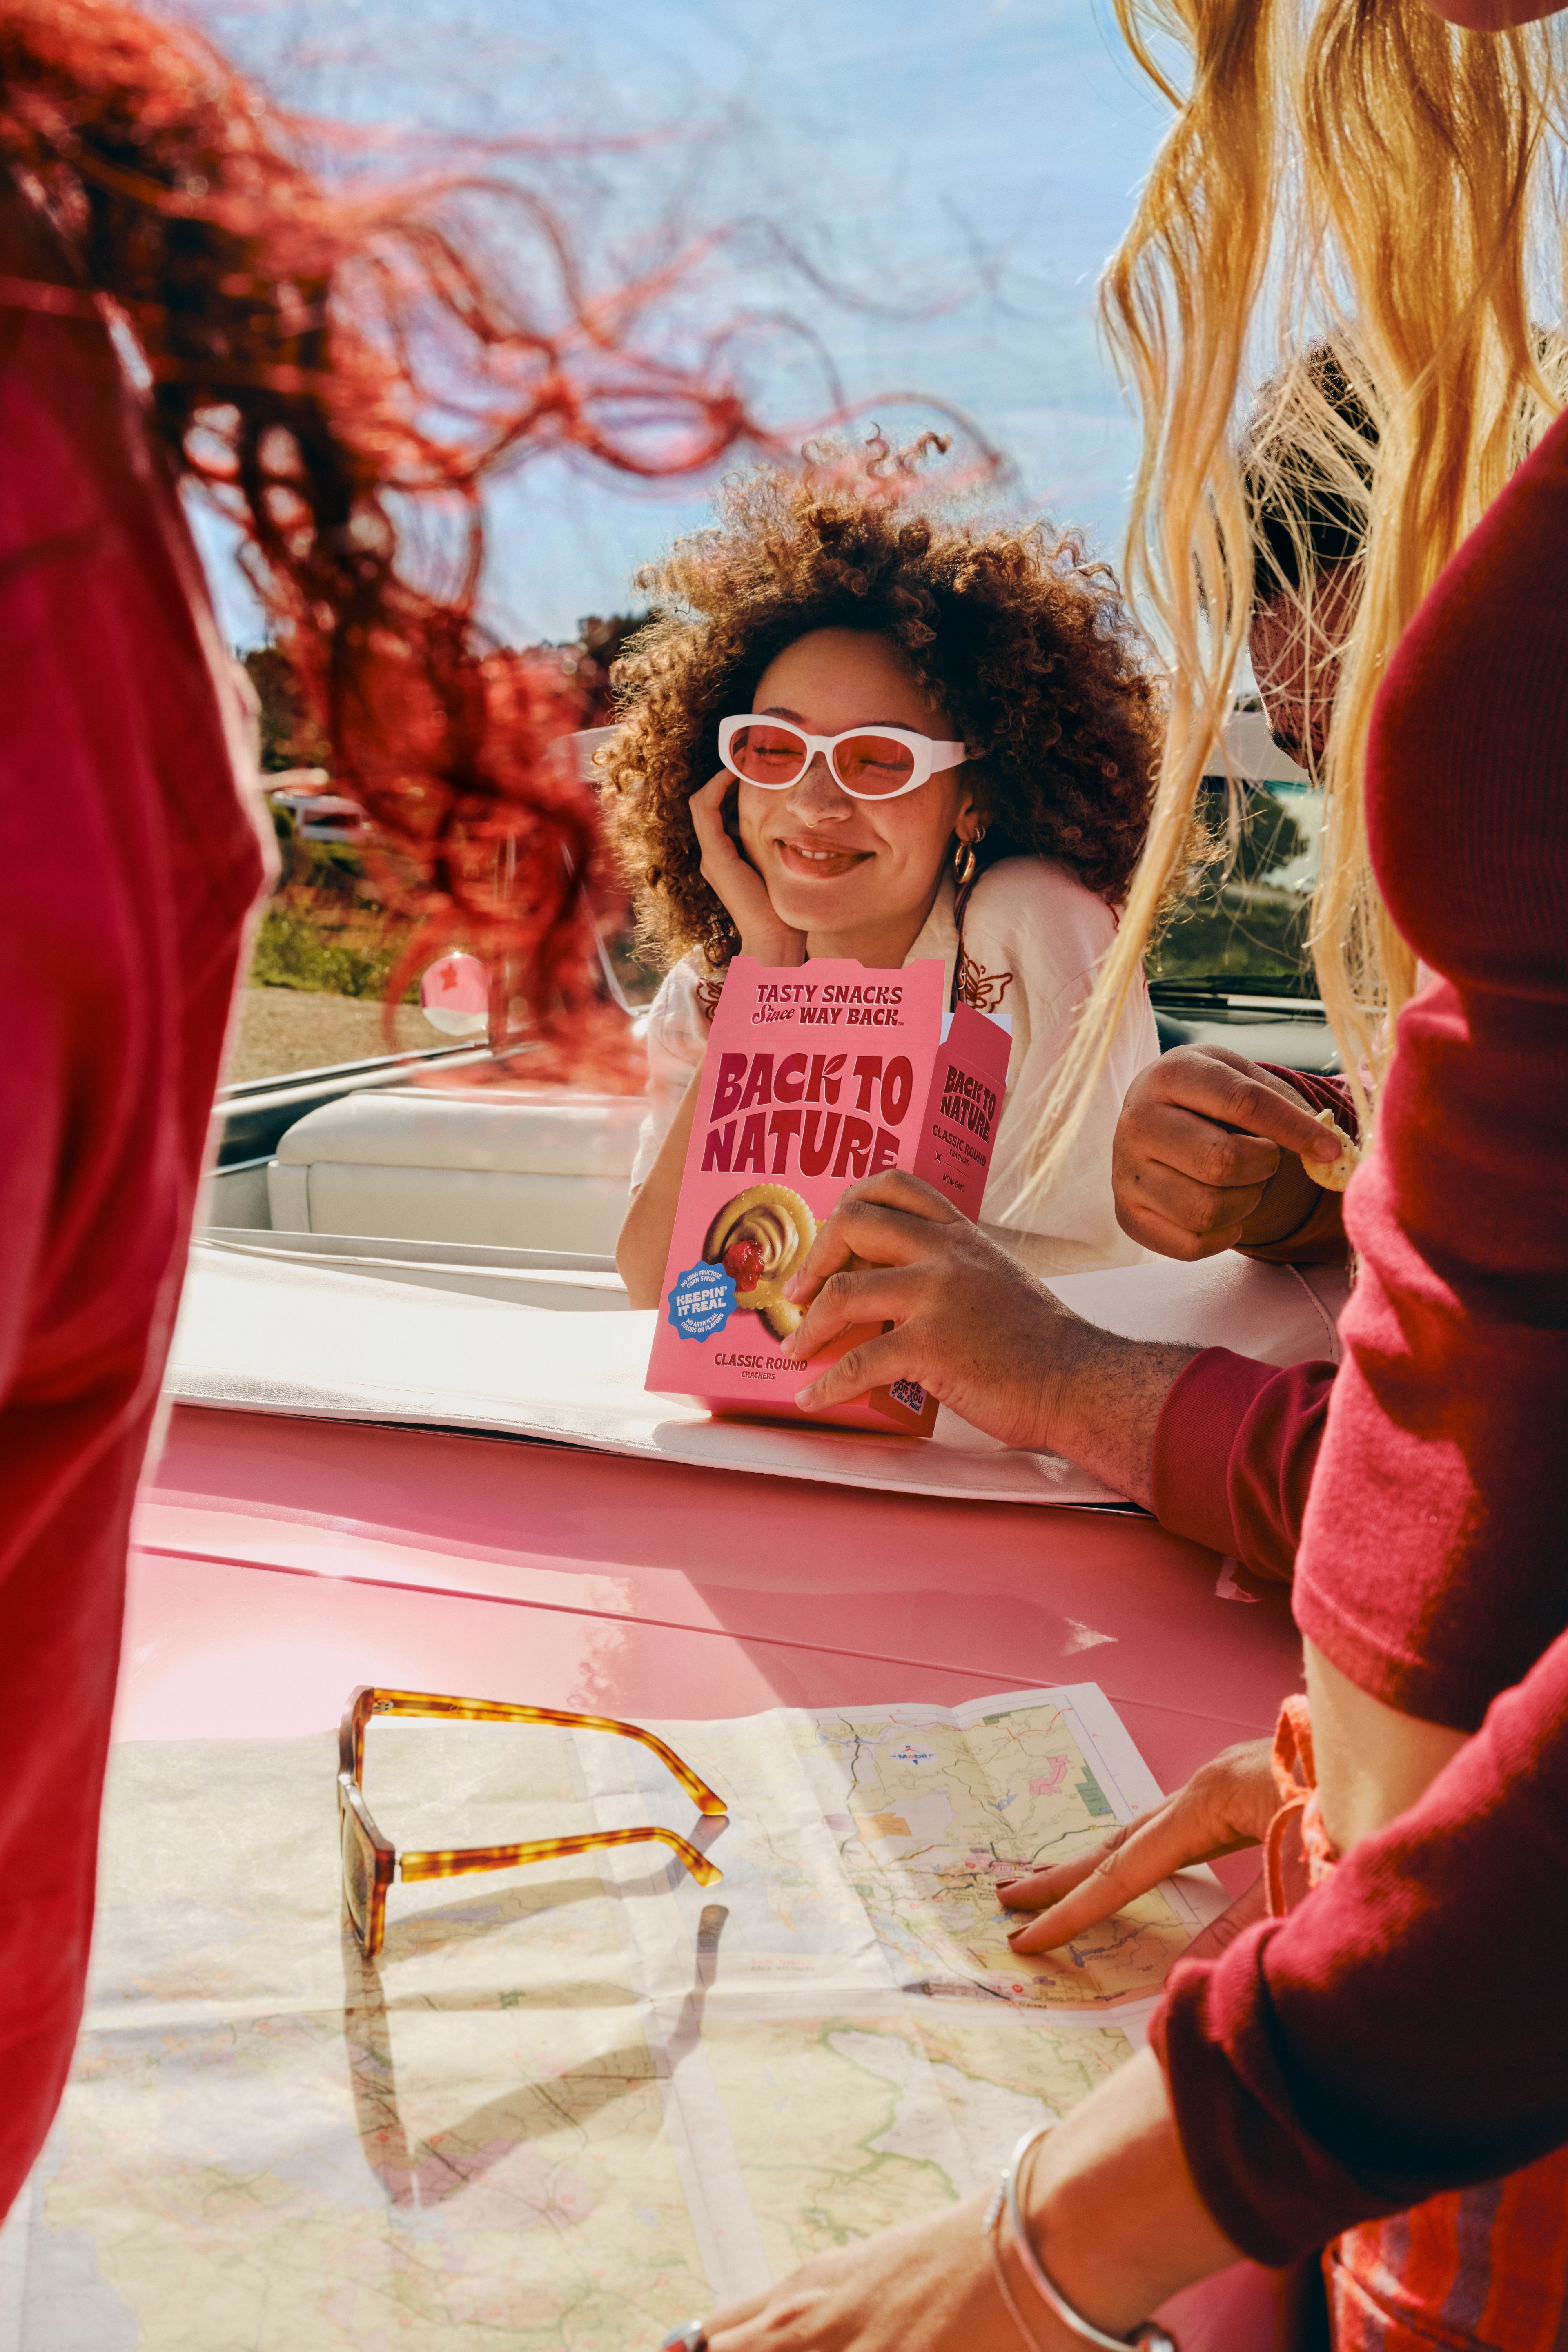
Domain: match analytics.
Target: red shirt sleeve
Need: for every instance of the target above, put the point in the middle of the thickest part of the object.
(1234, 1449)
(1366, 2052)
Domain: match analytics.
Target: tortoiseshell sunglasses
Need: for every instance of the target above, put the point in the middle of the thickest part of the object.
(370, 1863)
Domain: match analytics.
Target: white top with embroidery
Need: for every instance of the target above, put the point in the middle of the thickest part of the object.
(1034, 939)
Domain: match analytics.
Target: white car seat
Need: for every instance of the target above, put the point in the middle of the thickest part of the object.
(529, 1168)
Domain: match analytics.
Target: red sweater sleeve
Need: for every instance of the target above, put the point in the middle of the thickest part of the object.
(1237, 1441)
(1290, 2056)
(1431, 1563)
(126, 868)
(1234, 1449)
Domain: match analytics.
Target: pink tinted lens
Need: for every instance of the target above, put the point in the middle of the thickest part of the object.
(767, 754)
(873, 764)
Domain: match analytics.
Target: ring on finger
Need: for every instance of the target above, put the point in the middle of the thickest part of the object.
(692, 2338)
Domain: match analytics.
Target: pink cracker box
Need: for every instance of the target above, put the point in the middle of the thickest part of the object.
(816, 1074)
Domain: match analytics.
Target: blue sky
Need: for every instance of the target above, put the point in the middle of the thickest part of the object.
(957, 171)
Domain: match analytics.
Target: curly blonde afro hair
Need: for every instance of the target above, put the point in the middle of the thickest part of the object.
(1031, 651)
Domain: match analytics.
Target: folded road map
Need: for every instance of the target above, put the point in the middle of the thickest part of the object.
(573, 2106)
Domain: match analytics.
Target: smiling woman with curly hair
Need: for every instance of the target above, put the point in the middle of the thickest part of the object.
(994, 826)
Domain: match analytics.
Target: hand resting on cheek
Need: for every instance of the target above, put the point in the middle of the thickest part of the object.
(736, 882)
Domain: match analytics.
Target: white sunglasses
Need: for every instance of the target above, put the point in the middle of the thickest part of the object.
(869, 765)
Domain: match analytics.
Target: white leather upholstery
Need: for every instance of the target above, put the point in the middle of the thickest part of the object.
(543, 1132)
(543, 1169)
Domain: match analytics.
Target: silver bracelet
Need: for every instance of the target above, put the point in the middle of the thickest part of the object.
(1149, 2337)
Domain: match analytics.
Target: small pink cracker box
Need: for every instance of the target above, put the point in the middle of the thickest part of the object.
(814, 1074)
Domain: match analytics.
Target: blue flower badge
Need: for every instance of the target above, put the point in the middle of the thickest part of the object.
(701, 1300)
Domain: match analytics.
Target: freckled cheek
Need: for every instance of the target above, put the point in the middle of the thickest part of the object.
(913, 850)
(751, 824)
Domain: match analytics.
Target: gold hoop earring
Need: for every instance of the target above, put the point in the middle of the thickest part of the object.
(964, 859)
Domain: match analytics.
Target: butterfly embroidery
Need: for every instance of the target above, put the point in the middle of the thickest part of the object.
(977, 986)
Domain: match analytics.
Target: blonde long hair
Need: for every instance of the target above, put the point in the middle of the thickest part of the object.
(1373, 176)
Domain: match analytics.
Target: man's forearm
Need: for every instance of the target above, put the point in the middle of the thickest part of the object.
(1105, 1395)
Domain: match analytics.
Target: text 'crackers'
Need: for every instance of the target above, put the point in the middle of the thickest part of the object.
(815, 1075)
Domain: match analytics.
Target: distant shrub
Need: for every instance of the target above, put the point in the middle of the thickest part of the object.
(324, 948)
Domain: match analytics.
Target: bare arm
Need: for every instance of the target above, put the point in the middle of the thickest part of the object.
(643, 1248)
(1111, 2207)
(1110, 2210)
(1109, 1394)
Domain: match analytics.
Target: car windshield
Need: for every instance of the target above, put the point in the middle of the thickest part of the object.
(1242, 927)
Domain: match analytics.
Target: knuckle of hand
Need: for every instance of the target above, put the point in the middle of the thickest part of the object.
(1236, 1092)
(785, 2324)
(1213, 1781)
(1246, 1760)
(912, 1192)
(1214, 1163)
(1185, 1073)
(1226, 1160)
(1240, 1151)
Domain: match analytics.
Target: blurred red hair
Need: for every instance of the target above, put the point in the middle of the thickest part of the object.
(335, 363)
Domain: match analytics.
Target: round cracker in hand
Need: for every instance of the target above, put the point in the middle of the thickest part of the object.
(1333, 1175)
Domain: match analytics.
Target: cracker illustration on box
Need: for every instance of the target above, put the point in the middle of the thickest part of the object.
(814, 1075)
(760, 1238)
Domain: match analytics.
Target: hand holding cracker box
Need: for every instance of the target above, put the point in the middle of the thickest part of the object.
(816, 1074)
